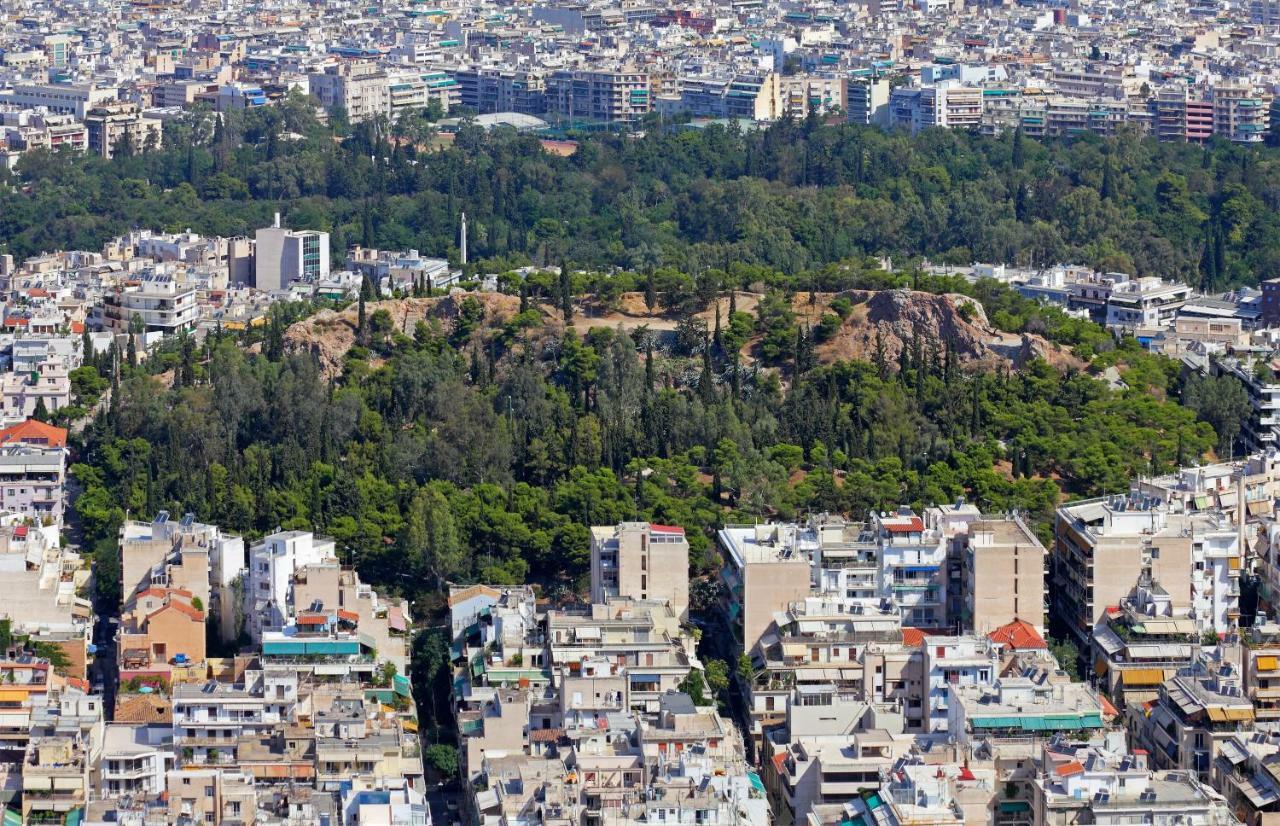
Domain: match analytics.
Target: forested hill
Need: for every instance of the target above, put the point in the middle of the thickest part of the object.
(793, 198)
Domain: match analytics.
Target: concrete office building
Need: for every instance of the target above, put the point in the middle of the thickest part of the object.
(283, 256)
(642, 561)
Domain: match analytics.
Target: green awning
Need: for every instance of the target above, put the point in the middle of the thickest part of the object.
(12, 818)
(1014, 806)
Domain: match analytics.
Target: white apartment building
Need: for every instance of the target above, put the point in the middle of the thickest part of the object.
(135, 759)
(272, 565)
(158, 300)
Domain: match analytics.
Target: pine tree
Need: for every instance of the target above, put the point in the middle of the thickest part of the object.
(1108, 190)
(566, 293)
(719, 343)
(733, 304)
(705, 383)
(1018, 148)
(524, 297)
(362, 323)
(41, 413)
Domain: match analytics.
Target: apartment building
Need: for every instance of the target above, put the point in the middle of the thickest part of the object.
(1139, 644)
(1257, 371)
(1103, 547)
(737, 96)
(1196, 712)
(269, 586)
(643, 561)
(115, 127)
(912, 558)
(1111, 786)
(158, 300)
(1240, 114)
(766, 569)
(946, 104)
(1003, 567)
(490, 89)
(1022, 707)
(135, 759)
(604, 96)
(412, 89)
(358, 88)
(802, 94)
(189, 556)
(33, 455)
(868, 101)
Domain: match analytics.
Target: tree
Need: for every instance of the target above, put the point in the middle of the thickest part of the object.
(717, 676)
(1067, 655)
(694, 685)
(443, 759)
(41, 413)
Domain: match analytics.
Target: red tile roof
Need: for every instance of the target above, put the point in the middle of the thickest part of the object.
(913, 524)
(1019, 635)
(913, 637)
(666, 529)
(181, 608)
(32, 432)
(1068, 769)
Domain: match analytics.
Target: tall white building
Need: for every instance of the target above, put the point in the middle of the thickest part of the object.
(272, 564)
(286, 255)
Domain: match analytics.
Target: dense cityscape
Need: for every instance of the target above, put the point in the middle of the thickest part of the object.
(594, 413)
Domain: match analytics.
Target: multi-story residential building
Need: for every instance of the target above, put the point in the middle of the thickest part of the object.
(269, 586)
(1260, 660)
(33, 463)
(1002, 575)
(1139, 644)
(1256, 371)
(1114, 788)
(283, 256)
(135, 759)
(412, 89)
(868, 101)
(1196, 711)
(913, 556)
(219, 796)
(1104, 547)
(1239, 114)
(605, 96)
(22, 393)
(359, 88)
(189, 556)
(489, 89)
(1247, 773)
(950, 663)
(66, 98)
(947, 104)
(802, 94)
(158, 300)
(739, 96)
(1144, 303)
(117, 127)
(766, 569)
(1022, 707)
(643, 561)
